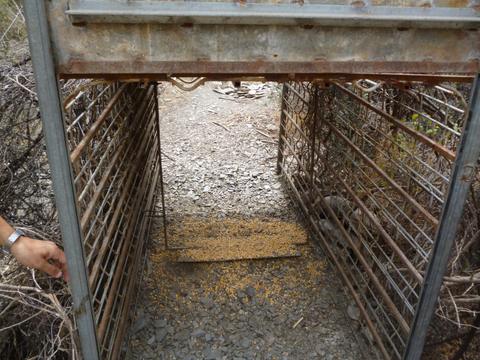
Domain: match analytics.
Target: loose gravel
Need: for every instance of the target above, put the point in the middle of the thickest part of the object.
(219, 163)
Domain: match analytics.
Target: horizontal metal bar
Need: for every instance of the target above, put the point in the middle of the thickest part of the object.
(66, 73)
(299, 70)
(176, 12)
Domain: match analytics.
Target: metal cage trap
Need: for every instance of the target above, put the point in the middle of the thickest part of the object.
(377, 147)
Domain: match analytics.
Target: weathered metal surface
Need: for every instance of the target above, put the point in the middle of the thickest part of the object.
(293, 14)
(370, 165)
(152, 49)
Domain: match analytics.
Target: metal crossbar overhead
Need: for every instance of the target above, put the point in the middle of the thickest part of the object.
(379, 152)
(273, 40)
(218, 13)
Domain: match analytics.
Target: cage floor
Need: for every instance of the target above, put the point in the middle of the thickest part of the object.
(221, 188)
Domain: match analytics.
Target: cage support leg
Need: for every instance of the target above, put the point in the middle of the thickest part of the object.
(59, 159)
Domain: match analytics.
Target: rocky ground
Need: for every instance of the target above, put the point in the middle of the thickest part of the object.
(219, 163)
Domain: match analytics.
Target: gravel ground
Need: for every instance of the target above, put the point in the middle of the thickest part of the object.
(219, 162)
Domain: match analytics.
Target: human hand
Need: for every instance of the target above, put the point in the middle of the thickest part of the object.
(42, 255)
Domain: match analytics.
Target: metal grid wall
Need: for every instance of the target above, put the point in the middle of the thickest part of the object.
(113, 138)
(369, 163)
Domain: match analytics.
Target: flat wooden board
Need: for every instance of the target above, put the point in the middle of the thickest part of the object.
(210, 240)
(237, 252)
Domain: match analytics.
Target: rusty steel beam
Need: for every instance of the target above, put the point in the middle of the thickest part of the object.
(385, 77)
(152, 50)
(429, 70)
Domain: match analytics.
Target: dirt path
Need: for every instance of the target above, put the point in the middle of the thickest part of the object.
(219, 163)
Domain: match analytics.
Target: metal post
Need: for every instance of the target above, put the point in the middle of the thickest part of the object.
(463, 172)
(162, 189)
(58, 155)
(281, 131)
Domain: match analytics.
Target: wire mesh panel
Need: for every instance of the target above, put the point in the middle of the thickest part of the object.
(369, 164)
(113, 137)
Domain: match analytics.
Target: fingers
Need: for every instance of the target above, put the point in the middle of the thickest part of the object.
(50, 269)
(45, 256)
(58, 256)
(54, 253)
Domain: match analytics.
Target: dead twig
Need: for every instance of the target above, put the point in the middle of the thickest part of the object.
(221, 125)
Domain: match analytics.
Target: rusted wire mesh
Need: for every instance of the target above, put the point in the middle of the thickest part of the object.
(113, 136)
(369, 163)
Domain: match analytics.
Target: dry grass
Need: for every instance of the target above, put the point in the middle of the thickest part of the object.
(35, 310)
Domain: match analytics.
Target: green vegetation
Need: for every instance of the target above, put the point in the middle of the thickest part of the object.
(12, 30)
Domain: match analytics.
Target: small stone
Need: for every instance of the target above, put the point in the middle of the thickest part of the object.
(206, 301)
(183, 335)
(245, 343)
(139, 324)
(160, 323)
(353, 312)
(240, 294)
(151, 341)
(250, 291)
(319, 350)
(198, 333)
(269, 339)
(161, 334)
(210, 354)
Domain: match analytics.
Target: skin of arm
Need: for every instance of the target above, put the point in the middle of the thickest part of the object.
(42, 255)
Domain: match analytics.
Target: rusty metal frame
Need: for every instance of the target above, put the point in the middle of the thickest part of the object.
(362, 142)
(101, 203)
(104, 151)
(122, 40)
(115, 154)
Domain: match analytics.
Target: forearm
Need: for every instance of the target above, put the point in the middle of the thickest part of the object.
(5, 231)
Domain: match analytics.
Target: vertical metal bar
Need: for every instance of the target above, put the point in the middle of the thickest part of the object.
(281, 132)
(462, 175)
(162, 190)
(57, 149)
(313, 129)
